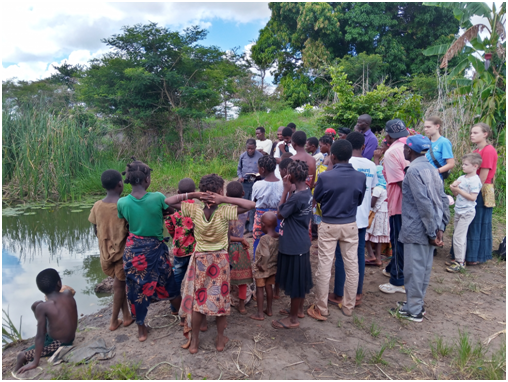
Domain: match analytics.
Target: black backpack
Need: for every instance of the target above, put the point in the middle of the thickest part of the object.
(501, 251)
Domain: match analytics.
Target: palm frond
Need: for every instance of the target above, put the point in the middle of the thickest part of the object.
(459, 44)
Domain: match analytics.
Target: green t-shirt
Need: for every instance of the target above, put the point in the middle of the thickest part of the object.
(143, 215)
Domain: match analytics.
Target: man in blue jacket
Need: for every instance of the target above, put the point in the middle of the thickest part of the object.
(340, 192)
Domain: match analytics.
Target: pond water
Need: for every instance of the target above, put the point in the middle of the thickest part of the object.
(53, 238)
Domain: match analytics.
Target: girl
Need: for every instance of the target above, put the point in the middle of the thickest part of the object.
(479, 234)
(241, 268)
(266, 193)
(325, 144)
(146, 257)
(379, 230)
(440, 155)
(206, 284)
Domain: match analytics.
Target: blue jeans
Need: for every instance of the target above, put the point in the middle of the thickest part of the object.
(247, 188)
(180, 265)
(396, 265)
(340, 273)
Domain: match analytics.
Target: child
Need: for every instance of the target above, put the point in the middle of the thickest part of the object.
(325, 144)
(248, 164)
(265, 266)
(284, 146)
(182, 231)
(241, 271)
(312, 147)
(466, 189)
(266, 193)
(146, 258)
(112, 233)
(293, 264)
(57, 320)
(206, 283)
(379, 230)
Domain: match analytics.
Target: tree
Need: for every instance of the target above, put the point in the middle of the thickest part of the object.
(305, 36)
(153, 78)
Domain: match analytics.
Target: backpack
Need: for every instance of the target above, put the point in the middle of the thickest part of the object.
(501, 251)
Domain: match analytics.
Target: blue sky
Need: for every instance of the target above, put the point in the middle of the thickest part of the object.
(37, 35)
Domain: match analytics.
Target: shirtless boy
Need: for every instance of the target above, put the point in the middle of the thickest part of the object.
(298, 141)
(57, 320)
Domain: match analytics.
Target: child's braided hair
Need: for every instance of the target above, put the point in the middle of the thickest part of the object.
(299, 170)
(211, 182)
(136, 172)
(268, 163)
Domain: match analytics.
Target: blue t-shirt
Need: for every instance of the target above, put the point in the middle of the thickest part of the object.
(442, 149)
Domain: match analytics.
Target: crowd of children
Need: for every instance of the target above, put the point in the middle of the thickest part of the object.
(360, 196)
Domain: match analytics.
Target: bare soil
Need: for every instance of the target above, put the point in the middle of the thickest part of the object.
(474, 302)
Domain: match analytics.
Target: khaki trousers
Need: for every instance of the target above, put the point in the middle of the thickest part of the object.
(347, 237)
(460, 226)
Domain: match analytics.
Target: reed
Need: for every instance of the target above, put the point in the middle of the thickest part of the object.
(10, 333)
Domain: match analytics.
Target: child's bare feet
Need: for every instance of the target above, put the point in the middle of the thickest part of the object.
(268, 312)
(220, 342)
(194, 345)
(127, 322)
(115, 325)
(241, 307)
(204, 325)
(258, 317)
(142, 333)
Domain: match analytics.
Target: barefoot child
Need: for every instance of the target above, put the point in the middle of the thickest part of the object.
(57, 320)
(293, 263)
(241, 271)
(379, 230)
(146, 258)
(466, 189)
(182, 231)
(206, 283)
(112, 233)
(265, 266)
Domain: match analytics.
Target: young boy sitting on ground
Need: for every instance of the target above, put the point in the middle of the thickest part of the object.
(57, 320)
(466, 189)
(112, 233)
(265, 266)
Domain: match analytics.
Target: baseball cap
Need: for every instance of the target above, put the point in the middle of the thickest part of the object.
(330, 131)
(395, 128)
(418, 143)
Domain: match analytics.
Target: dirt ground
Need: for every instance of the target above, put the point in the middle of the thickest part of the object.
(474, 302)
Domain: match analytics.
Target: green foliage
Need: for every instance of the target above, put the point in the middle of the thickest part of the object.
(382, 104)
(92, 371)
(9, 331)
(363, 69)
(302, 37)
(424, 85)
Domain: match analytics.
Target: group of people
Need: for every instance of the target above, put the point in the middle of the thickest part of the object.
(358, 193)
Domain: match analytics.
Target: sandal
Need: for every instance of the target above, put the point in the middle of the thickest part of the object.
(277, 324)
(315, 313)
(472, 263)
(285, 312)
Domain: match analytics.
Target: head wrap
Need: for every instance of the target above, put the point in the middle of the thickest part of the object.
(381, 182)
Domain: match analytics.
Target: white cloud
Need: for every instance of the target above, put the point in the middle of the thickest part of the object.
(268, 83)
(42, 31)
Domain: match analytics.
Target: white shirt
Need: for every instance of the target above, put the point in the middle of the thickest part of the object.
(277, 150)
(369, 169)
(381, 203)
(265, 145)
(472, 185)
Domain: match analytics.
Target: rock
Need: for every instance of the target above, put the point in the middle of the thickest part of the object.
(105, 286)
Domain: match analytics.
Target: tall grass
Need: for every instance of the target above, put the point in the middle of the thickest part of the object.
(10, 333)
(43, 152)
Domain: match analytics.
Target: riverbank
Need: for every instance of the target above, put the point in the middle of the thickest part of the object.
(463, 311)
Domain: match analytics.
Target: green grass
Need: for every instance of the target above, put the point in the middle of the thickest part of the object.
(357, 321)
(359, 355)
(439, 348)
(92, 371)
(375, 330)
(377, 357)
(10, 333)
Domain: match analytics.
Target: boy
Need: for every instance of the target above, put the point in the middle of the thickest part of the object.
(298, 140)
(312, 147)
(285, 145)
(292, 126)
(277, 142)
(263, 145)
(339, 203)
(181, 229)
(248, 163)
(293, 262)
(466, 189)
(368, 168)
(265, 266)
(112, 233)
(57, 320)
(425, 214)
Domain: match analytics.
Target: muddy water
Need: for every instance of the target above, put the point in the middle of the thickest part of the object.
(53, 238)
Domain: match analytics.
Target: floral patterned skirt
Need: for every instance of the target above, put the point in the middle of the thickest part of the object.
(147, 274)
(239, 258)
(206, 286)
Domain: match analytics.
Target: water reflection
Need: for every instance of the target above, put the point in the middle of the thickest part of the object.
(58, 239)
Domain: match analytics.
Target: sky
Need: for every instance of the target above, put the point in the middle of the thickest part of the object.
(36, 35)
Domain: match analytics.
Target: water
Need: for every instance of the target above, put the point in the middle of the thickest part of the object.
(58, 239)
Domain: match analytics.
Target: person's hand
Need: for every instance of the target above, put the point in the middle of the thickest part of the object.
(241, 180)
(211, 198)
(378, 153)
(438, 241)
(455, 184)
(245, 244)
(29, 366)
(66, 287)
(286, 183)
